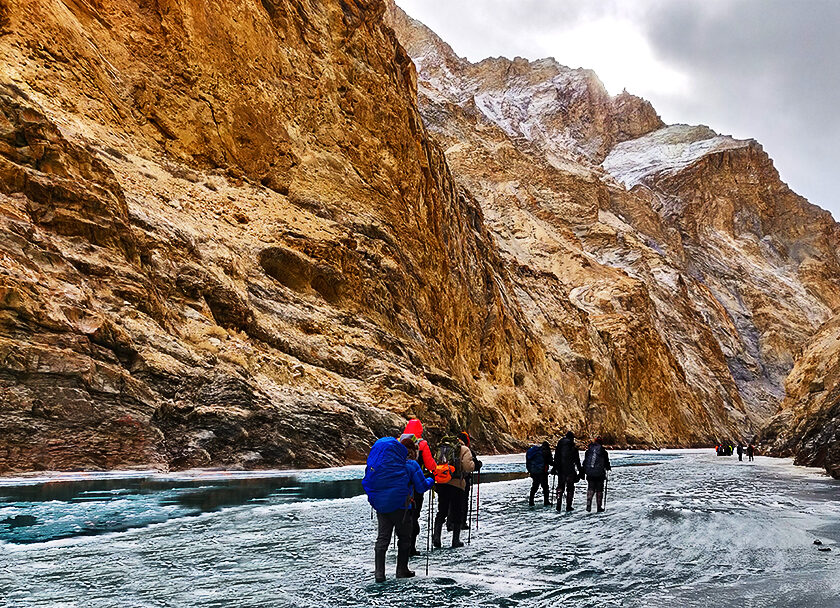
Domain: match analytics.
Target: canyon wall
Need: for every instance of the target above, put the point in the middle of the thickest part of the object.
(228, 239)
(807, 426)
(230, 236)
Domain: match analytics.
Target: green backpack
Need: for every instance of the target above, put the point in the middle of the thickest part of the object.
(449, 452)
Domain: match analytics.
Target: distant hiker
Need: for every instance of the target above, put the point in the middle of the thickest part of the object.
(455, 461)
(568, 469)
(740, 451)
(538, 461)
(750, 451)
(392, 476)
(428, 465)
(596, 463)
(468, 482)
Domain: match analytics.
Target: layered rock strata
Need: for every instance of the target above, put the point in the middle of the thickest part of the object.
(228, 240)
(808, 425)
(230, 237)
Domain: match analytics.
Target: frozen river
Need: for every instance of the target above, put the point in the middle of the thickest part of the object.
(682, 529)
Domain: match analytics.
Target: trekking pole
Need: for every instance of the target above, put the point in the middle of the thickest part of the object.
(477, 497)
(429, 530)
(606, 485)
(469, 530)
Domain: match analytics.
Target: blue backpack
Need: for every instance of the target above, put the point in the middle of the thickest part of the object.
(386, 481)
(534, 461)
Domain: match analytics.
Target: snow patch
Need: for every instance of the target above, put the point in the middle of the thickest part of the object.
(665, 151)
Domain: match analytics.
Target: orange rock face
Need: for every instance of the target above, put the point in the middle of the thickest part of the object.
(227, 234)
(230, 236)
(808, 424)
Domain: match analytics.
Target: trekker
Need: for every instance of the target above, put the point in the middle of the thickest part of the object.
(427, 465)
(740, 451)
(468, 478)
(750, 451)
(538, 461)
(392, 476)
(567, 468)
(454, 462)
(596, 463)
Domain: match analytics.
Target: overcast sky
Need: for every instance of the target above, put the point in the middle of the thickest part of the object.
(766, 69)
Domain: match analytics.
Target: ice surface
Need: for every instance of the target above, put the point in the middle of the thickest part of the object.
(690, 529)
(665, 151)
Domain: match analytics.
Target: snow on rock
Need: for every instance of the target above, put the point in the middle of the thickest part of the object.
(665, 151)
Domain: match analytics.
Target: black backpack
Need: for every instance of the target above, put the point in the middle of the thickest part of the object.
(594, 462)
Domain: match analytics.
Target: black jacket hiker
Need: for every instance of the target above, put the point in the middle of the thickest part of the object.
(596, 463)
(567, 466)
(539, 472)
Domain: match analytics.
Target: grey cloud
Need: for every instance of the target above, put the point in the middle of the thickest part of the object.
(764, 69)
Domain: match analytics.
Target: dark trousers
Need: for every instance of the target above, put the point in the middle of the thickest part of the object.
(741, 456)
(595, 484)
(569, 481)
(450, 504)
(398, 521)
(465, 507)
(416, 513)
(537, 481)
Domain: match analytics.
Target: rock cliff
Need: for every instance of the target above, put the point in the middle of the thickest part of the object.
(227, 239)
(229, 235)
(808, 424)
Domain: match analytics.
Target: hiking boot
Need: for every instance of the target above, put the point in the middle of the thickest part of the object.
(569, 509)
(600, 509)
(456, 539)
(379, 558)
(402, 565)
(559, 508)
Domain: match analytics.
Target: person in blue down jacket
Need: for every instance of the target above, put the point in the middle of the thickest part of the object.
(392, 476)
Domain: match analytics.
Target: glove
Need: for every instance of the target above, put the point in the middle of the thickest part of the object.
(478, 464)
(430, 483)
